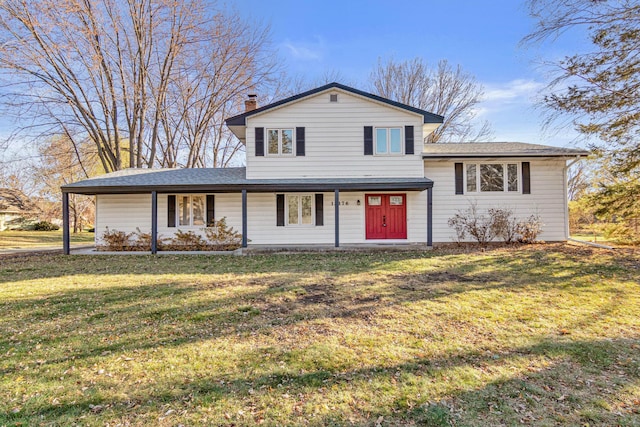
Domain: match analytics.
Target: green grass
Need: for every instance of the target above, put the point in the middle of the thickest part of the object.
(39, 239)
(541, 334)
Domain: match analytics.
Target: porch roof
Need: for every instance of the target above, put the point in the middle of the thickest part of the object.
(497, 149)
(229, 180)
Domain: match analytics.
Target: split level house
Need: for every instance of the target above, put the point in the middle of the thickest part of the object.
(336, 166)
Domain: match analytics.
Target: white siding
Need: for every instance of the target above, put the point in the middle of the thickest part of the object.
(547, 198)
(123, 212)
(334, 139)
(130, 211)
(262, 227)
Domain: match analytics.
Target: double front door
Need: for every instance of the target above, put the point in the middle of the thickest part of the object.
(386, 216)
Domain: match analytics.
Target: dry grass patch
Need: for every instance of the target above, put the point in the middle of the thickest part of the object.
(543, 334)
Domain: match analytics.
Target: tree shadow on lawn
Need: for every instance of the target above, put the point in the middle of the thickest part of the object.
(87, 322)
(534, 256)
(583, 382)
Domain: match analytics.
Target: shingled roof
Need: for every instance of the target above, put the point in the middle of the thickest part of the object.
(497, 149)
(15, 201)
(228, 180)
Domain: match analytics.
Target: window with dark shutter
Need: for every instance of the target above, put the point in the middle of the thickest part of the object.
(408, 140)
(319, 209)
(259, 141)
(459, 179)
(300, 142)
(368, 140)
(280, 210)
(526, 178)
(171, 211)
(211, 212)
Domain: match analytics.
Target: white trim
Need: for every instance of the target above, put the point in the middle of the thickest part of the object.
(280, 133)
(388, 152)
(299, 196)
(505, 177)
(178, 211)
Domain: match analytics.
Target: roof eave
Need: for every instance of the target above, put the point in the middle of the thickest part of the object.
(503, 155)
(417, 185)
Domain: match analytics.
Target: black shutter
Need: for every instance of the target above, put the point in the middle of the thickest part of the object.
(526, 178)
(408, 140)
(299, 141)
(459, 179)
(259, 141)
(171, 211)
(211, 210)
(280, 210)
(368, 140)
(319, 209)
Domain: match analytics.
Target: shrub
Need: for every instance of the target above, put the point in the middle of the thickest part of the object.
(470, 222)
(44, 226)
(187, 240)
(218, 237)
(223, 237)
(529, 229)
(117, 240)
(497, 222)
(505, 225)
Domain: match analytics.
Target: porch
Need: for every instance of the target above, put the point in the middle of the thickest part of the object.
(257, 202)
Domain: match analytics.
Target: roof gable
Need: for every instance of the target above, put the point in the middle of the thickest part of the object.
(240, 119)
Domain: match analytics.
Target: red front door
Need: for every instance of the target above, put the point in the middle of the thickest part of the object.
(386, 216)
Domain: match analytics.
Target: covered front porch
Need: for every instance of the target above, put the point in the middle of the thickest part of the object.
(254, 207)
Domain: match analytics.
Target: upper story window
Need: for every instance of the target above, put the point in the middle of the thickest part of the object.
(492, 177)
(280, 142)
(388, 141)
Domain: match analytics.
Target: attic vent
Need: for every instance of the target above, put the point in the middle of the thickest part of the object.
(333, 97)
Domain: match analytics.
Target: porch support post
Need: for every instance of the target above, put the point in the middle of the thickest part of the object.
(430, 216)
(244, 218)
(65, 224)
(154, 222)
(336, 203)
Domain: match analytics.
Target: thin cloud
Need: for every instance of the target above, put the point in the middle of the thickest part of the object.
(519, 89)
(305, 51)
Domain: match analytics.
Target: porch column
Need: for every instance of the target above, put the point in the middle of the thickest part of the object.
(65, 224)
(336, 203)
(154, 222)
(244, 218)
(430, 216)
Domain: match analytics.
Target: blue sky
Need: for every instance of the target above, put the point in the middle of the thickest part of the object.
(349, 36)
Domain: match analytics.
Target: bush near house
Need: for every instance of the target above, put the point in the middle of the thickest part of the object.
(495, 223)
(217, 237)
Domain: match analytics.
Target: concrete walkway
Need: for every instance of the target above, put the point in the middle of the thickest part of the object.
(43, 249)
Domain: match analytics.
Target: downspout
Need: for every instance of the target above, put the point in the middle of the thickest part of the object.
(566, 196)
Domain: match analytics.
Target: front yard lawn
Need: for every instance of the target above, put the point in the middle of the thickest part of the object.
(10, 239)
(538, 335)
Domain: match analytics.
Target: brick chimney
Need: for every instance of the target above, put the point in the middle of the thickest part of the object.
(251, 103)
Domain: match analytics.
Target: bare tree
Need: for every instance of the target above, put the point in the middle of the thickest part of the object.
(146, 81)
(443, 90)
(60, 164)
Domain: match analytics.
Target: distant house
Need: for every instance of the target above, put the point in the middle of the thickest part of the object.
(15, 206)
(338, 166)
